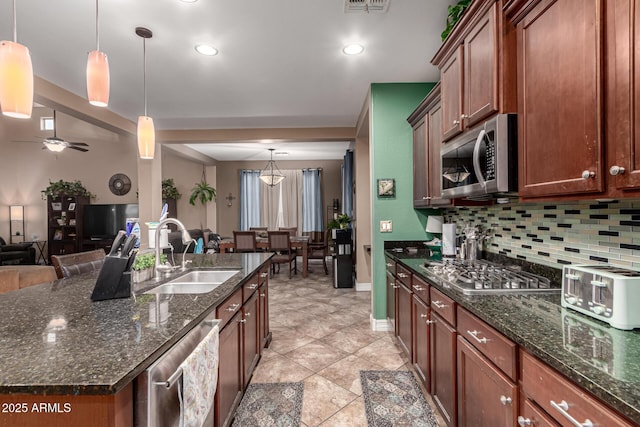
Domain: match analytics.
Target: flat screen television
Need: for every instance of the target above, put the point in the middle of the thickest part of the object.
(104, 221)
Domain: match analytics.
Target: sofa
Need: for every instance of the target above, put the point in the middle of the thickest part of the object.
(210, 239)
(16, 253)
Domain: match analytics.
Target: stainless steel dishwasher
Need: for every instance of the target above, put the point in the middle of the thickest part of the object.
(156, 389)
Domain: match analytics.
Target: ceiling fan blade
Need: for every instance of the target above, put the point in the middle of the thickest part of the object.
(83, 144)
(73, 147)
(15, 140)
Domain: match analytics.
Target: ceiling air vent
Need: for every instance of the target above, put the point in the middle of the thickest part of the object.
(351, 6)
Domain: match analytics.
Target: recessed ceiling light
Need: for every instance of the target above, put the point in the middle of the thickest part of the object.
(353, 49)
(266, 141)
(189, 1)
(205, 49)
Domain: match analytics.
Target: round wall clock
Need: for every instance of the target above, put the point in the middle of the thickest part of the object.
(119, 184)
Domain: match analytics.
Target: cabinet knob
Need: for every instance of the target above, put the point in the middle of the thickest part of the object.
(522, 421)
(456, 122)
(430, 322)
(418, 288)
(263, 294)
(464, 116)
(505, 400)
(588, 174)
(426, 198)
(615, 170)
(424, 316)
(242, 321)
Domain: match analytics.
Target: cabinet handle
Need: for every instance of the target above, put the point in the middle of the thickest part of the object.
(430, 322)
(464, 116)
(522, 421)
(402, 275)
(505, 400)
(483, 340)
(389, 264)
(439, 304)
(263, 274)
(588, 174)
(563, 408)
(233, 307)
(418, 288)
(615, 170)
(424, 316)
(396, 286)
(242, 321)
(263, 294)
(253, 286)
(248, 314)
(456, 122)
(426, 197)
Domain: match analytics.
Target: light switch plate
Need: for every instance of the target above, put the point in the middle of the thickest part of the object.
(386, 226)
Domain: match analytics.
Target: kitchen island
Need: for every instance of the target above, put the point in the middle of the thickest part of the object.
(66, 360)
(600, 359)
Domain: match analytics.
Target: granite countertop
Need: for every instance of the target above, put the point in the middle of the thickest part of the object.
(55, 340)
(560, 337)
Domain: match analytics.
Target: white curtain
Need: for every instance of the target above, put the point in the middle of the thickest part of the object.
(312, 200)
(281, 204)
(249, 199)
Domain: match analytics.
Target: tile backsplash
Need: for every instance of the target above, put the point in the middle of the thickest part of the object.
(554, 234)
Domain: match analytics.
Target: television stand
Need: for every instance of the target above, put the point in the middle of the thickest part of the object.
(97, 243)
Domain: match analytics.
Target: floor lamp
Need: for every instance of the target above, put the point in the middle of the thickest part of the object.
(16, 223)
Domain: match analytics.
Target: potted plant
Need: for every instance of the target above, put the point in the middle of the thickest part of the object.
(66, 188)
(143, 265)
(202, 192)
(169, 190)
(342, 222)
(455, 12)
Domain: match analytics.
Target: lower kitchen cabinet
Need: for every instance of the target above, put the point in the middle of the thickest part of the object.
(391, 296)
(263, 295)
(230, 387)
(251, 336)
(486, 396)
(532, 415)
(443, 368)
(421, 320)
(404, 319)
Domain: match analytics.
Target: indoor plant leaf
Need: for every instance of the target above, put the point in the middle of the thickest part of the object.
(202, 192)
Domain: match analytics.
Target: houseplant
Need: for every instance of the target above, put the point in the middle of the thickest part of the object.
(454, 14)
(169, 190)
(143, 265)
(66, 188)
(202, 192)
(342, 221)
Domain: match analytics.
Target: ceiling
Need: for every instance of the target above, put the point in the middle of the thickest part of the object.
(280, 62)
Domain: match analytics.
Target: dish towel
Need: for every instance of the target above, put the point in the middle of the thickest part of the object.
(199, 381)
(199, 246)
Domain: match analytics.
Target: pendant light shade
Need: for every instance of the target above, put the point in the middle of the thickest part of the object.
(271, 175)
(146, 137)
(98, 81)
(16, 77)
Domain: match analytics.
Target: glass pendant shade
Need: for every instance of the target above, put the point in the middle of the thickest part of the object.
(146, 137)
(98, 81)
(271, 175)
(54, 147)
(16, 80)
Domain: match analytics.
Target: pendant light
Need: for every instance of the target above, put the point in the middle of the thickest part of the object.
(271, 175)
(146, 130)
(98, 73)
(16, 77)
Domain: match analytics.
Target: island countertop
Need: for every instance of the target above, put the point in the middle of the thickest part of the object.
(541, 326)
(55, 340)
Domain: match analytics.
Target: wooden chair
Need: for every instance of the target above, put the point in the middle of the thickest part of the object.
(244, 241)
(318, 248)
(78, 263)
(260, 231)
(280, 243)
(293, 231)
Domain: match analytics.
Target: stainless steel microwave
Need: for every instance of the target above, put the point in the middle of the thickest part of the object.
(482, 161)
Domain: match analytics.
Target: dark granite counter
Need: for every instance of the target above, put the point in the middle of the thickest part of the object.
(602, 359)
(55, 340)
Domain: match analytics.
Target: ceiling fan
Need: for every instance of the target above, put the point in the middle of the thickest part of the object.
(53, 143)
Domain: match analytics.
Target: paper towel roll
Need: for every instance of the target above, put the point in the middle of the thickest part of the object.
(448, 239)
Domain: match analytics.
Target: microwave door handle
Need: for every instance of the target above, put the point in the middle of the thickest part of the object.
(476, 159)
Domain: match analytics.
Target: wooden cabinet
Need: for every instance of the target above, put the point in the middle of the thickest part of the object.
(560, 97)
(265, 331)
(477, 68)
(404, 319)
(230, 385)
(421, 338)
(251, 336)
(421, 163)
(391, 295)
(64, 223)
(443, 356)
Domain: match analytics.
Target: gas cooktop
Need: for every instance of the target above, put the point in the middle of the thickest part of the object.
(484, 277)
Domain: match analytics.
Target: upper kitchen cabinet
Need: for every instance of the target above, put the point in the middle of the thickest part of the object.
(477, 68)
(426, 123)
(560, 89)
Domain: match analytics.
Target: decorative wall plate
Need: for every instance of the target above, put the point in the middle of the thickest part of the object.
(119, 184)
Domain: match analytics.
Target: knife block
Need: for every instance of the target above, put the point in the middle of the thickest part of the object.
(114, 280)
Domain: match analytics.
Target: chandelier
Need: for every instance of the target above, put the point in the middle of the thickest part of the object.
(271, 175)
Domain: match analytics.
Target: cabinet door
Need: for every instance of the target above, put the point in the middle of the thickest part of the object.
(420, 164)
(443, 368)
(434, 179)
(481, 69)
(486, 397)
(404, 319)
(265, 332)
(229, 391)
(452, 91)
(251, 336)
(391, 302)
(560, 98)
(421, 341)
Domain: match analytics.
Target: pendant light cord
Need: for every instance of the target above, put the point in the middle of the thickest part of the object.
(144, 55)
(15, 25)
(97, 29)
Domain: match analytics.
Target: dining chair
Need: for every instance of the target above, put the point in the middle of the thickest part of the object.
(318, 247)
(260, 231)
(244, 241)
(293, 231)
(280, 243)
(78, 263)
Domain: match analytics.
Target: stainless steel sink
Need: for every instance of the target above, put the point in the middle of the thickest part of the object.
(194, 282)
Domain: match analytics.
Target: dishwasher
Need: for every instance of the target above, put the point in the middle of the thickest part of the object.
(157, 389)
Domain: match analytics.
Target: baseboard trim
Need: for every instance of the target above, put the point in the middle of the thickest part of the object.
(381, 325)
(363, 286)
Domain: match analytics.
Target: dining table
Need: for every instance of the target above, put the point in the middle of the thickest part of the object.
(297, 242)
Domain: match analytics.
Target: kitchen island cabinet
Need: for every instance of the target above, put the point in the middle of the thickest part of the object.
(60, 347)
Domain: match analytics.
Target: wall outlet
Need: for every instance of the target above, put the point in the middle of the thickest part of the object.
(386, 226)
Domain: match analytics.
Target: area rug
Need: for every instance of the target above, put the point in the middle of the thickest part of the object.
(270, 404)
(394, 398)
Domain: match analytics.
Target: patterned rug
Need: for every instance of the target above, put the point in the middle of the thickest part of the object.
(271, 404)
(394, 398)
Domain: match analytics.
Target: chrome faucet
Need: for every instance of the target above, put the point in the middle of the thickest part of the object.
(186, 239)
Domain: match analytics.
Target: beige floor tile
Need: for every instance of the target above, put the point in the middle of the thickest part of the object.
(350, 340)
(323, 399)
(384, 352)
(287, 340)
(346, 372)
(279, 369)
(315, 355)
(352, 415)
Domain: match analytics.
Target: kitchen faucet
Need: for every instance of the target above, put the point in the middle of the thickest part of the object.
(186, 239)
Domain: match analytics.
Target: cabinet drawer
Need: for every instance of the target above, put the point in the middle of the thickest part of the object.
(421, 289)
(264, 275)
(403, 275)
(561, 399)
(443, 305)
(390, 265)
(250, 287)
(495, 346)
(229, 307)
(532, 415)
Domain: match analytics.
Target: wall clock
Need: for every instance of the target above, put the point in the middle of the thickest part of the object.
(119, 184)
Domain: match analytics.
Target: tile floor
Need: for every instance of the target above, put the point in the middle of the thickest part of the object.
(322, 336)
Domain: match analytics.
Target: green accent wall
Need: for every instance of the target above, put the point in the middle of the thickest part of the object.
(391, 149)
